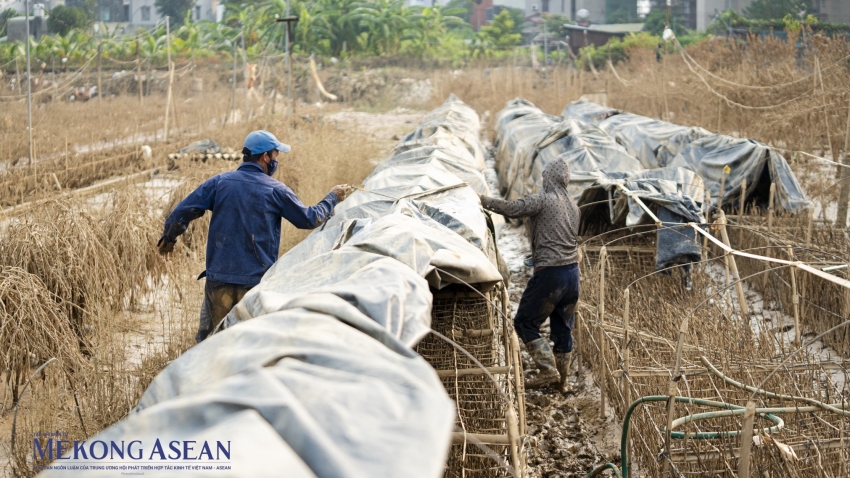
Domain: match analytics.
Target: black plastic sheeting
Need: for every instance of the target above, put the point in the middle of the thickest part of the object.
(659, 144)
(606, 180)
(313, 373)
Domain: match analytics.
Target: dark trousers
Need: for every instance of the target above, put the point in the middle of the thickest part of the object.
(552, 292)
(219, 298)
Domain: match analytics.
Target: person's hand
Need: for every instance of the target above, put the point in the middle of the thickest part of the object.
(342, 191)
(164, 247)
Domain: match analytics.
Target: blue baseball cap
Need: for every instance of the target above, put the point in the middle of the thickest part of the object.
(262, 141)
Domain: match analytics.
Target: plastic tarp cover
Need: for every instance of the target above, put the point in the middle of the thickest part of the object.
(316, 362)
(600, 167)
(312, 381)
(659, 144)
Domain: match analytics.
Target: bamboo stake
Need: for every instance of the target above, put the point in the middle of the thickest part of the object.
(624, 380)
(733, 266)
(139, 69)
(513, 436)
(742, 200)
(520, 385)
(600, 320)
(741, 206)
(770, 207)
(844, 174)
(170, 75)
(245, 72)
(746, 440)
(809, 228)
(726, 170)
(100, 71)
(673, 391)
(707, 206)
(795, 299)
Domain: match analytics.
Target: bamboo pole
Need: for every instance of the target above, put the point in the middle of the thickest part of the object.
(520, 385)
(746, 440)
(742, 200)
(809, 228)
(844, 174)
(672, 392)
(624, 380)
(245, 72)
(513, 436)
(170, 75)
(733, 266)
(741, 205)
(795, 299)
(139, 69)
(770, 207)
(600, 320)
(100, 71)
(726, 170)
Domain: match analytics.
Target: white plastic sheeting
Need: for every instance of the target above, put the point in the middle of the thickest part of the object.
(601, 168)
(659, 144)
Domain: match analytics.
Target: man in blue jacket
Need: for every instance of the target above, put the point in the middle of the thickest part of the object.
(244, 234)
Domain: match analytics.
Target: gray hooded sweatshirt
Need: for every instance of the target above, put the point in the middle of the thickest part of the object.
(553, 217)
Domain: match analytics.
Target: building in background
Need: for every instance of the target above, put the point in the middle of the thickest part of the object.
(833, 11)
(702, 12)
(142, 13)
(482, 14)
(568, 8)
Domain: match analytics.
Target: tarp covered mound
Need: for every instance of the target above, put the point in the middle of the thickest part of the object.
(313, 372)
(659, 144)
(601, 169)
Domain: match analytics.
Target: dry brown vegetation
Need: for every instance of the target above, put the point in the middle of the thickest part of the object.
(80, 279)
(73, 268)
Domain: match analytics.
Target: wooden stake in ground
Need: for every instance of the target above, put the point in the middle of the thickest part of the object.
(100, 70)
(795, 299)
(844, 177)
(624, 379)
(733, 266)
(747, 440)
(139, 69)
(600, 320)
(770, 207)
(170, 75)
(741, 206)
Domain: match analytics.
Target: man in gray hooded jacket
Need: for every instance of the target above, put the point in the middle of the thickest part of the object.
(553, 290)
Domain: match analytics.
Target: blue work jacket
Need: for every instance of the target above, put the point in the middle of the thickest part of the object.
(244, 235)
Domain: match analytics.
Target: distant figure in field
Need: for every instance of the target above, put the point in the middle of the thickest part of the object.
(244, 236)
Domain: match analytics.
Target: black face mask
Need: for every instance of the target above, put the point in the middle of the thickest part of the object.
(272, 167)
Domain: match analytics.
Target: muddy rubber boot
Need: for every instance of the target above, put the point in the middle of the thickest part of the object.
(545, 360)
(563, 362)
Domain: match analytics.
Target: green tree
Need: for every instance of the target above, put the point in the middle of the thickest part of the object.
(63, 19)
(500, 33)
(465, 5)
(517, 15)
(176, 10)
(4, 16)
(385, 21)
(430, 28)
(657, 20)
(555, 24)
(777, 9)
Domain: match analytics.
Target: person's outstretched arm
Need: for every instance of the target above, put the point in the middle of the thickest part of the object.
(523, 207)
(189, 209)
(308, 217)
